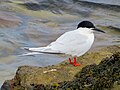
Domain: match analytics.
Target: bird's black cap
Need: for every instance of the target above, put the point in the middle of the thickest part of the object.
(88, 24)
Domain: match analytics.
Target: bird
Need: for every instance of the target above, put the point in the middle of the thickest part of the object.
(75, 42)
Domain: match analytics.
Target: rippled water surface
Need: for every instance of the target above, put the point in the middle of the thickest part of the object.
(33, 24)
(111, 2)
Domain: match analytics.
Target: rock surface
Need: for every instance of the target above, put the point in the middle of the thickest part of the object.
(91, 77)
(63, 75)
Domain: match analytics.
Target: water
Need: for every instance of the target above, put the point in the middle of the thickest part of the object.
(39, 28)
(111, 2)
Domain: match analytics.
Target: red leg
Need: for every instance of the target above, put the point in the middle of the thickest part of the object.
(71, 61)
(76, 64)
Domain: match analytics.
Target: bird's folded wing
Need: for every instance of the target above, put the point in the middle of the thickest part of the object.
(68, 41)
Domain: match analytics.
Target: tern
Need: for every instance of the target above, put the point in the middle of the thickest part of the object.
(75, 43)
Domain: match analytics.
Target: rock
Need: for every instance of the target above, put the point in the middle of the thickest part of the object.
(91, 77)
(64, 76)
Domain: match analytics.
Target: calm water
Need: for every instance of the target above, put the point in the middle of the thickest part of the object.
(36, 31)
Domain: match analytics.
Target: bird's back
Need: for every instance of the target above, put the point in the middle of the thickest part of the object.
(73, 42)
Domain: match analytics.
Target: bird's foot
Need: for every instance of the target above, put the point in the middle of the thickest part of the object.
(74, 62)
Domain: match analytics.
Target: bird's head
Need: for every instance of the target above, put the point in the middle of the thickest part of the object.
(88, 24)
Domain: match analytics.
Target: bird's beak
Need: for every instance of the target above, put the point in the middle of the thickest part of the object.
(98, 30)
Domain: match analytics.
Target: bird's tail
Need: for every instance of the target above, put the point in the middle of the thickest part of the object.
(30, 54)
(32, 51)
(39, 49)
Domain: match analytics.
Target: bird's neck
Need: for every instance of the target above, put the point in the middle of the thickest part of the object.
(85, 30)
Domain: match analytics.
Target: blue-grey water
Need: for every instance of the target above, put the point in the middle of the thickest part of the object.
(111, 2)
(43, 22)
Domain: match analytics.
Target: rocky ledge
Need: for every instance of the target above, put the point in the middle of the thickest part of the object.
(103, 74)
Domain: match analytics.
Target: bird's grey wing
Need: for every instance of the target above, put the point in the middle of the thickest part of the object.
(66, 42)
(70, 37)
(52, 46)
